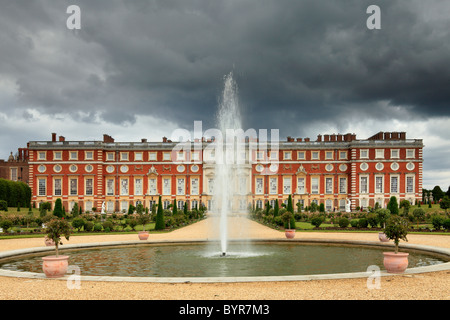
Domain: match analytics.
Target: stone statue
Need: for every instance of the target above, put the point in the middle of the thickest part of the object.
(348, 206)
(103, 208)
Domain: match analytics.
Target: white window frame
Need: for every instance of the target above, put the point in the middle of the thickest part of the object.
(73, 155)
(57, 155)
(300, 155)
(379, 153)
(315, 155)
(329, 155)
(393, 156)
(138, 156)
(315, 187)
(376, 180)
(413, 151)
(287, 185)
(152, 156)
(287, 155)
(364, 153)
(366, 191)
(124, 156)
(398, 183)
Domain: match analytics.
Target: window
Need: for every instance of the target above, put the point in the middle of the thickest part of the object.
(124, 187)
(378, 184)
(110, 187)
(210, 186)
(342, 204)
(242, 185)
(363, 184)
(329, 155)
(89, 187)
(194, 186)
(259, 204)
(394, 184)
(180, 204)
(409, 184)
(328, 185)
(180, 156)
(57, 187)
(287, 181)
(57, 155)
(410, 153)
(379, 153)
(152, 186)
(124, 206)
(110, 156)
(315, 185)
(166, 156)
(138, 156)
(194, 204)
(328, 205)
(73, 155)
(138, 186)
(195, 156)
(152, 156)
(273, 186)
(260, 155)
(42, 155)
(364, 154)
(315, 155)
(13, 174)
(89, 155)
(342, 155)
(110, 206)
(180, 186)
(166, 186)
(342, 185)
(259, 186)
(395, 154)
(88, 206)
(301, 155)
(73, 186)
(287, 155)
(124, 156)
(273, 155)
(42, 187)
(301, 185)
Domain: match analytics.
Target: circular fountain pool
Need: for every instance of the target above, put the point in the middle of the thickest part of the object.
(203, 259)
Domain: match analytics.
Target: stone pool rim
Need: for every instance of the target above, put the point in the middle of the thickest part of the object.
(432, 250)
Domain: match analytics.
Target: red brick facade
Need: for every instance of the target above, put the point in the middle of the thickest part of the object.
(331, 170)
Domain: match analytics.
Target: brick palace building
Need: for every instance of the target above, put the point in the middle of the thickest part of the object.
(331, 170)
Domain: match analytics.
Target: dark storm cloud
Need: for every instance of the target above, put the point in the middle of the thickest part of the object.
(295, 62)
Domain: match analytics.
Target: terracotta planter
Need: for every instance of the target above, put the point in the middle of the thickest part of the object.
(382, 237)
(55, 266)
(395, 262)
(143, 235)
(49, 242)
(289, 233)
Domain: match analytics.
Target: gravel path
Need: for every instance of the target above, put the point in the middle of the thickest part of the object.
(424, 286)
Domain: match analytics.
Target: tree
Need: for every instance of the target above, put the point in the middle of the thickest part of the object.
(396, 229)
(58, 210)
(185, 209)
(405, 205)
(160, 225)
(445, 203)
(393, 205)
(419, 214)
(174, 212)
(290, 208)
(437, 193)
(448, 192)
(276, 208)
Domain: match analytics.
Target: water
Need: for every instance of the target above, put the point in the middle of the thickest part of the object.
(197, 260)
(227, 169)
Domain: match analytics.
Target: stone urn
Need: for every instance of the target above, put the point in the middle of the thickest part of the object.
(55, 266)
(382, 237)
(143, 235)
(289, 233)
(49, 242)
(395, 262)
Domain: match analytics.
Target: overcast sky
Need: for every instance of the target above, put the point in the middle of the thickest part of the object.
(141, 69)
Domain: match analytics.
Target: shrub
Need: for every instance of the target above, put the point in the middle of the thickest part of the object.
(372, 220)
(78, 223)
(108, 225)
(446, 224)
(419, 214)
(97, 227)
(159, 225)
(3, 205)
(354, 223)
(396, 229)
(343, 222)
(363, 223)
(382, 216)
(58, 210)
(6, 225)
(88, 226)
(316, 221)
(393, 205)
(437, 221)
(132, 223)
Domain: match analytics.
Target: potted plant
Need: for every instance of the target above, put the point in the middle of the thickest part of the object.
(56, 266)
(286, 218)
(382, 216)
(396, 229)
(143, 219)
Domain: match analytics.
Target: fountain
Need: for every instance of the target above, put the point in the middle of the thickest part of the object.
(227, 170)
